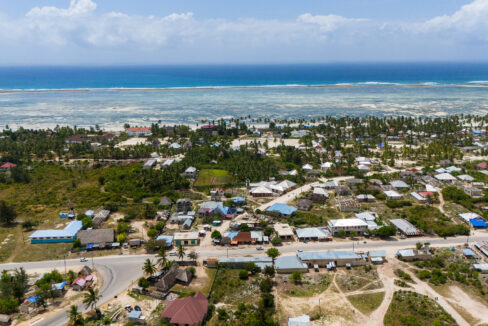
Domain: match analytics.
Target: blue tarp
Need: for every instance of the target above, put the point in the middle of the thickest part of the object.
(478, 223)
(239, 200)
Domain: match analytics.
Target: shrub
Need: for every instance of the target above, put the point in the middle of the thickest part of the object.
(243, 275)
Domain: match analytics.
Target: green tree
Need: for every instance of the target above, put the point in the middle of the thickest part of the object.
(273, 253)
(296, 277)
(269, 270)
(143, 283)
(386, 231)
(193, 255)
(90, 298)
(276, 241)
(152, 233)
(216, 235)
(148, 267)
(7, 213)
(252, 268)
(87, 222)
(121, 237)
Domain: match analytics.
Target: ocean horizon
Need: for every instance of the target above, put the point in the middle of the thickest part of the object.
(42, 97)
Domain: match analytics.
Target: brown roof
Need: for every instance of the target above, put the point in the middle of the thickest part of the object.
(189, 310)
(96, 236)
(242, 237)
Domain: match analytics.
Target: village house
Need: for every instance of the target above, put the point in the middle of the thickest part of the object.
(283, 231)
(347, 204)
(313, 233)
(189, 311)
(319, 195)
(290, 264)
(138, 131)
(405, 227)
(96, 238)
(190, 173)
(348, 225)
(172, 276)
(304, 204)
(183, 205)
(473, 192)
(100, 217)
(186, 238)
(337, 258)
(68, 234)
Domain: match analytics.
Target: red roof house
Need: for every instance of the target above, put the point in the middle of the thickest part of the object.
(8, 166)
(187, 311)
(481, 166)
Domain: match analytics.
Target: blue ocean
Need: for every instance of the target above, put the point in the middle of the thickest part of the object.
(39, 97)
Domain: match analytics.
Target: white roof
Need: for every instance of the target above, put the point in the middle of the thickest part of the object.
(261, 190)
(468, 216)
(299, 321)
(392, 194)
(445, 177)
(430, 188)
(307, 167)
(367, 216)
(398, 184)
(320, 191)
(186, 235)
(363, 167)
(465, 177)
(453, 169)
(417, 196)
(286, 184)
(283, 229)
(347, 222)
(326, 165)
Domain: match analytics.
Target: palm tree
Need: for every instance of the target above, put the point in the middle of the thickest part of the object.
(162, 257)
(91, 298)
(181, 252)
(75, 317)
(148, 267)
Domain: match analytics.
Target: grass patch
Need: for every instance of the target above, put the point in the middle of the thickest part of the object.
(356, 278)
(230, 289)
(43, 251)
(431, 220)
(367, 302)
(410, 309)
(309, 286)
(213, 177)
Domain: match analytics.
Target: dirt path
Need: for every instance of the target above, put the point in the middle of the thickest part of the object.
(344, 297)
(423, 288)
(475, 308)
(387, 276)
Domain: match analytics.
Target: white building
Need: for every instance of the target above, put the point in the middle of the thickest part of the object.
(347, 225)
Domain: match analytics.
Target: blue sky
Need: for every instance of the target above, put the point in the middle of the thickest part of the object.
(225, 31)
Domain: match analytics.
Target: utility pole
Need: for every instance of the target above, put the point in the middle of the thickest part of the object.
(65, 264)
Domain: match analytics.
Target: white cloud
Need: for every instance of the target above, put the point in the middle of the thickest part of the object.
(76, 7)
(84, 33)
(471, 21)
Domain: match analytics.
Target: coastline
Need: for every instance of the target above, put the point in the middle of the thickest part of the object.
(208, 88)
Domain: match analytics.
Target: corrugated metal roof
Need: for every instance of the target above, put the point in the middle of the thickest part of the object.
(289, 262)
(69, 231)
(327, 255)
(319, 233)
(377, 253)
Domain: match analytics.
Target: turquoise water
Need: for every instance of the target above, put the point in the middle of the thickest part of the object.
(40, 97)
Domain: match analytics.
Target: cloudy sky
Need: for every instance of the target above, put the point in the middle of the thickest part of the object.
(251, 31)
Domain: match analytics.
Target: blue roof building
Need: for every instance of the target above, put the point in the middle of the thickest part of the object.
(135, 314)
(68, 234)
(290, 264)
(339, 258)
(167, 238)
(282, 209)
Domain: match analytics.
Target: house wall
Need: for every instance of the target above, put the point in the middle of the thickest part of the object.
(51, 240)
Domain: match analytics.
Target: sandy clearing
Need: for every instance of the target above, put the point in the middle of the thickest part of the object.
(474, 307)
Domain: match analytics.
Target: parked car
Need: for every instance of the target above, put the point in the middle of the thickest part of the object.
(128, 308)
(260, 248)
(173, 253)
(137, 308)
(83, 259)
(132, 231)
(299, 250)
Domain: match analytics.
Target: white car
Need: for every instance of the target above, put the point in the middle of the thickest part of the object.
(83, 259)
(173, 254)
(260, 248)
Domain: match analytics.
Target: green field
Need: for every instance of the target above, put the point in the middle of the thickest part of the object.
(411, 309)
(213, 177)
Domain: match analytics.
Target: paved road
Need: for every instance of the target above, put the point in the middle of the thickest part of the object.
(119, 272)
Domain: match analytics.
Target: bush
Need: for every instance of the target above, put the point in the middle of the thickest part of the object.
(243, 275)
(192, 270)
(398, 203)
(143, 283)
(424, 274)
(276, 241)
(386, 231)
(296, 277)
(269, 270)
